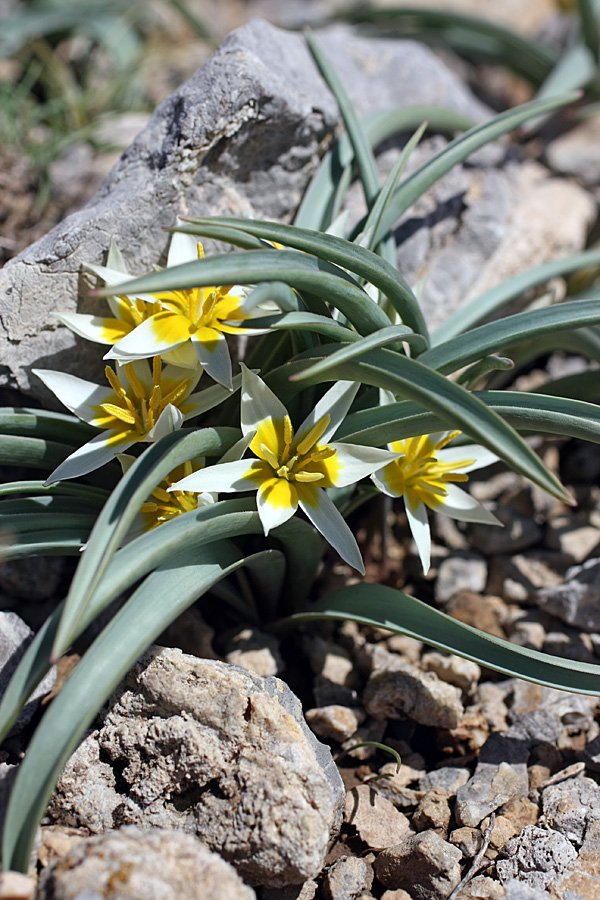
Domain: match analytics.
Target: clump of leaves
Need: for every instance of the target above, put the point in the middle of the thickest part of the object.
(315, 308)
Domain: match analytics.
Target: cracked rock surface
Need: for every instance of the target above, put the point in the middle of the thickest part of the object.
(213, 750)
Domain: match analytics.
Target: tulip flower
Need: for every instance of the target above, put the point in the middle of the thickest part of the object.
(293, 468)
(425, 474)
(142, 403)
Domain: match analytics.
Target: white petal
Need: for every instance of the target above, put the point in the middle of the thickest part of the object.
(272, 516)
(78, 396)
(460, 505)
(183, 247)
(258, 402)
(335, 404)
(183, 356)
(357, 462)
(419, 526)
(96, 453)
(386, 397)
(109, 276)
(381, 484)
(214, 359)
(329, 521)
(171, 419)
(222, 477)
(89, 327)
(238, 449)
(481, 456)
(114, 257)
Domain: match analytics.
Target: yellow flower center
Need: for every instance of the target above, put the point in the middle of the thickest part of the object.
(419, 475)
(206, 307)
(167, 505)
(301, 460)
(138, 408)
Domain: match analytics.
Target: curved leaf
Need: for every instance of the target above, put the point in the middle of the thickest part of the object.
(459, 149)
(303, 272)
(455, 406)
(323, 197)
(533, 412)
(495, 336)
(352, 257)
(378, 606)
(121, 508)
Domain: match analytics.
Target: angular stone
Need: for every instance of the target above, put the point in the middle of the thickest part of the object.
(573, 152)
(16, 886)
(581, 879)
(211, 749)
(573, 536)
(336, 723)
(482, 888)
(131, 863)
(433, 812)
(518, 890)
(422, 696)
(377, 821)
(348, 878)
(536, 856)
(575, 601)
(519, 533)
(460, 572)
(570, 806)
(453, 669)
(425, 865)
(449, 778)
(304, 891)
(256, 651)
(468, 840)
(500, 776)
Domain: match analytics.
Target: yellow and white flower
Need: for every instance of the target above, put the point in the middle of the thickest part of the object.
(292, 468)
(425, 474)
(126, 312)
(188, 327)
(142, 403)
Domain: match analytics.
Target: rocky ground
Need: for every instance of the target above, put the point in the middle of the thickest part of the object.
(243, 739)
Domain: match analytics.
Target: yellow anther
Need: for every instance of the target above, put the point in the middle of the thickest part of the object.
(200, 249)
(161, 494)
(124, 415)
(269, 456)
(446, 440)
(155, 397)
(136, 385)
(288, 436)
(313, 436)
(309, 476)
(324, 453)
(177, 393)
(114, 382)
(454, 476)
(156, 369)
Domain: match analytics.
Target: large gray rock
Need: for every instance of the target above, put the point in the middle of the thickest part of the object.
(129, 864)
(242, 137)
(214, 750)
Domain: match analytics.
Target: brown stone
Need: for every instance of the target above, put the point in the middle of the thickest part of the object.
(376, 819)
